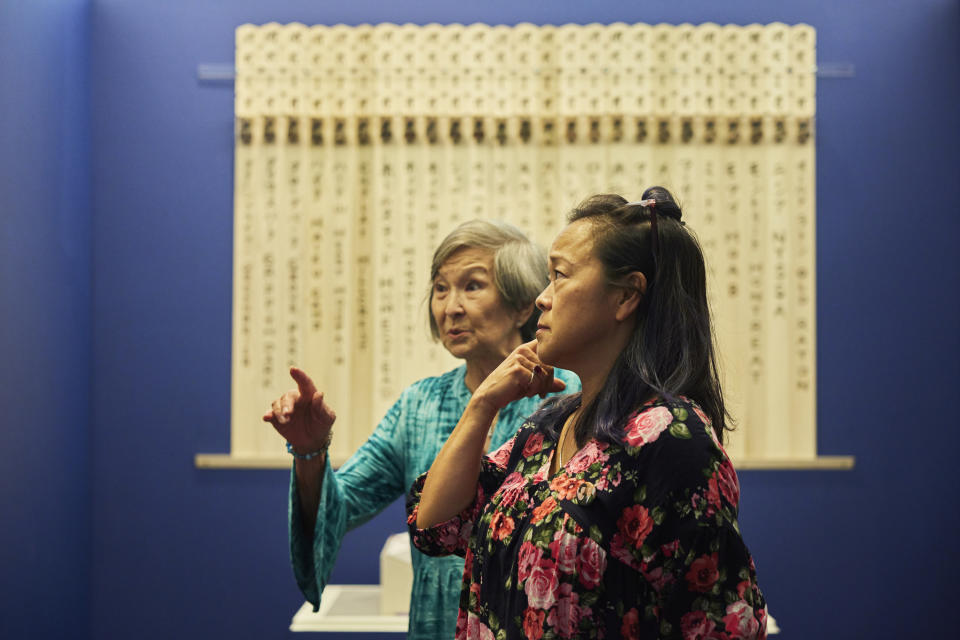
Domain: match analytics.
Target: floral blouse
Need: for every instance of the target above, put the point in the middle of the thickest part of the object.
(633, 540)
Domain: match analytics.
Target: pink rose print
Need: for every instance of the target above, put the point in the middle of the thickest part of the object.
(512, 489)
(528, 557)
(696, 626)
(564, 550)
(486, 633)
(450, 535)
(541, 587)
(648, 426)
(603, 484)
(762, 623)
(740, 621)
(729, 485)
(622, 550)
(656, 577)
(533, 624)
(713, 496)
(502, 455)
(635, 524)
(533, 445)
(461, 631)
(590, 453)
(565, 616)
(669, 549)
(542, 472)
(703, 573)
(476, 629)
(591, 563)
(630, 628)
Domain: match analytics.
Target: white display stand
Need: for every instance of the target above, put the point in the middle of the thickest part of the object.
(366, 607)
(396, 575)
(348, 607)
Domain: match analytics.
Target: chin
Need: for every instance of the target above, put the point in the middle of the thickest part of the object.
(460, 351)
(547, 356)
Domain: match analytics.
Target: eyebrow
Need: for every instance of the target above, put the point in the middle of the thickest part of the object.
(556, 257)
(469, 271)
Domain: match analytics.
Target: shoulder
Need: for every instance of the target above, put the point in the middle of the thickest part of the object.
(674, 430)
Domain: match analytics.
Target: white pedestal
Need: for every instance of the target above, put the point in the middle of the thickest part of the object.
(396, 575)
(348, 607)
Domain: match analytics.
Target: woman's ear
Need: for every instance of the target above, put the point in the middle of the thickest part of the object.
(523, 314)
(631, 293)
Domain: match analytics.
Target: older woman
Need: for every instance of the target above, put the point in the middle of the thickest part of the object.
(484, 280)
(612, 512)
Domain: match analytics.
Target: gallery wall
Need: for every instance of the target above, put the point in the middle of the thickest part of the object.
(45, 319)
(116, 170)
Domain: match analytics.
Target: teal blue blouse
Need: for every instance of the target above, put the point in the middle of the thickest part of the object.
(401, 448)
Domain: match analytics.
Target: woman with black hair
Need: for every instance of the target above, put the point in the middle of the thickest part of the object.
(612, 512)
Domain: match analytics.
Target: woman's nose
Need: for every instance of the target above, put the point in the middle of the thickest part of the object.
(454, 304)
(543, 300)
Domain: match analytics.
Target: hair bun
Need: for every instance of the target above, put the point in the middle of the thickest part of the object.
(666, 204)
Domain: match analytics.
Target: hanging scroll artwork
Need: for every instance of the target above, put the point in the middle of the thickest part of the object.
(359, 148)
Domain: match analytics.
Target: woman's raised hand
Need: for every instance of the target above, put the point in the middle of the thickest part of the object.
(301, 416)
(520, 375)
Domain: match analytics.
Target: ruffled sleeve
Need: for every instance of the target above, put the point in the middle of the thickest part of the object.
(370, 480)
(453, 535)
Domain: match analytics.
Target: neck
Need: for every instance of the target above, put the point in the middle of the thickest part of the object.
(593, 376)
(598, 363)
(480, 367)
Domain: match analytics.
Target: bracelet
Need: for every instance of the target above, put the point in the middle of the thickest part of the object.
(313, 454)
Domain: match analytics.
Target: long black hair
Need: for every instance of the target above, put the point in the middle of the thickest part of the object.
(671, 351)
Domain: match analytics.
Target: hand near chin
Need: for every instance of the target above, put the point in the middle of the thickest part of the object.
(520, 375)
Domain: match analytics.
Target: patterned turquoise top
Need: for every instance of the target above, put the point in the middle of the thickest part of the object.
(401, 448)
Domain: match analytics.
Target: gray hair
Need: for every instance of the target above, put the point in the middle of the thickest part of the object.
(519, 266)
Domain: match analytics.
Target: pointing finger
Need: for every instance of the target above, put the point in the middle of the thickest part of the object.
(304, 383)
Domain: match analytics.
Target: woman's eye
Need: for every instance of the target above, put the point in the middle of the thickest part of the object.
(473, 285)
(439, 288)
(558, 274)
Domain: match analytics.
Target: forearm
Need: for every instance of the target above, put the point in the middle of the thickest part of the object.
(309, 478)
(451, 484)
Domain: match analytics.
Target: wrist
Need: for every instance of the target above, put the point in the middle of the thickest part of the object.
(483, 407)
(310, 452)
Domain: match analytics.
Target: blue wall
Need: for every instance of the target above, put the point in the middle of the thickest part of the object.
(45, 246)
(181, 552)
